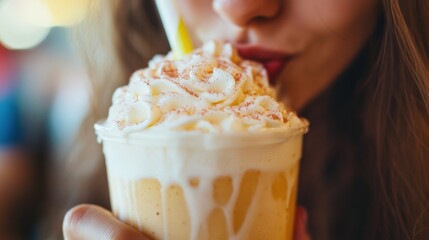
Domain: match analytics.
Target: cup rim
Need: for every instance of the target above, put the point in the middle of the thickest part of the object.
(107, 132)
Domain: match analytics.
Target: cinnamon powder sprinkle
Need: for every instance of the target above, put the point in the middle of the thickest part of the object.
(191, 76)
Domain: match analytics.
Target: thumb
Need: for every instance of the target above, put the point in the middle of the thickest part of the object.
(93, 222)
(301, 232)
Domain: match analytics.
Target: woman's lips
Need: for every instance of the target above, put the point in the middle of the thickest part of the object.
(273, 61)
(274, 67)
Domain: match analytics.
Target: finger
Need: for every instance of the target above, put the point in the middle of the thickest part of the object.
(92, 222)
(301, 232)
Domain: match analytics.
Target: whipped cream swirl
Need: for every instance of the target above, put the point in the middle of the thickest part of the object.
(210, 90)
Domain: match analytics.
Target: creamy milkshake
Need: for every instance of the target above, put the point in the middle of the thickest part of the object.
(198, 148)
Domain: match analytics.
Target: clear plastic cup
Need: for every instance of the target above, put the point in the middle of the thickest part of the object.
(192, 185)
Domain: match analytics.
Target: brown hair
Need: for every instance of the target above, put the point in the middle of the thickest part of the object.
(397, 113)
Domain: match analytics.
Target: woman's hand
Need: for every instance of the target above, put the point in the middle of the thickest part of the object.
(92, 222)
(301, 232)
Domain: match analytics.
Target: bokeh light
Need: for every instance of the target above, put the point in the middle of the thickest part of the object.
(26, 23)
(66, 12)
(16, 31)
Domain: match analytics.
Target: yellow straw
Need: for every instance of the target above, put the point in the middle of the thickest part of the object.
(184, 42)
(177, 34)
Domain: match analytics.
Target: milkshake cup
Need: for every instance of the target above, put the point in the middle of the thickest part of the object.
(184, 164)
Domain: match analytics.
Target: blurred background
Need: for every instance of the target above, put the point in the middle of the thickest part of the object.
(43, 98)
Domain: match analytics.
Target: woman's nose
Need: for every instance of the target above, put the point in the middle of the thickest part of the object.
(243, 12)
